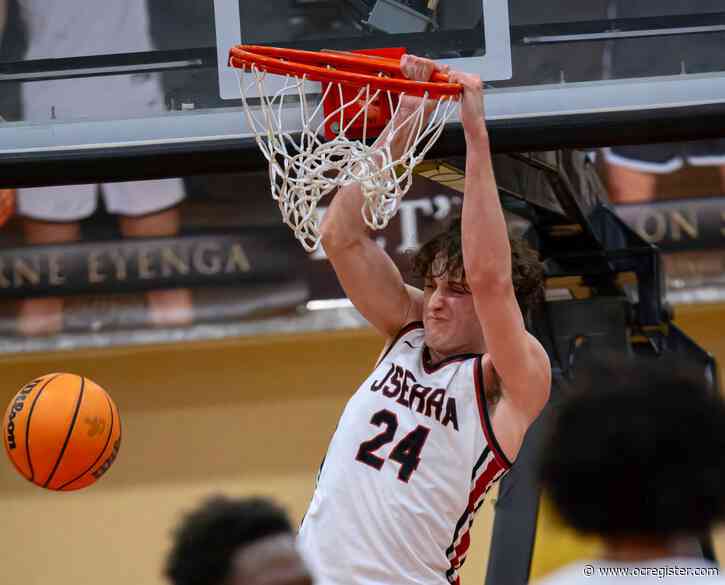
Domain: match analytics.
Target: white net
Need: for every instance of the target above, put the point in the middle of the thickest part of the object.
(304, 167)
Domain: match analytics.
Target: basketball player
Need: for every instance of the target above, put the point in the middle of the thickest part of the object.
(636, 460)
(443, 414)
(229, 541)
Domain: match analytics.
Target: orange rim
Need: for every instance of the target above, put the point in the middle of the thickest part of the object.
(340, 67)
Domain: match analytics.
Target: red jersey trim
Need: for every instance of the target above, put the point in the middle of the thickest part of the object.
(456, 553)
(485, 419)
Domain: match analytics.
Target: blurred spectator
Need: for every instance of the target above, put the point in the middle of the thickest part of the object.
(235, 542)
(75, 28)
(636, 458)
(632, 171)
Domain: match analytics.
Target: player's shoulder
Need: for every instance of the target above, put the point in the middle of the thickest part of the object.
(411, 330)
(410, 335)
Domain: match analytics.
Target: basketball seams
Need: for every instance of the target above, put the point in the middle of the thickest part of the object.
(68, 435)
(27, 426)
(103, 449)
(60, 445)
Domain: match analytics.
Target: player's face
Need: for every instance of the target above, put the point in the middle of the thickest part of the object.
(449, 317)
(271, 561)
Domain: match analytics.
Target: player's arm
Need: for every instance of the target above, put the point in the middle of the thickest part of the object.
(519, 359)
(370, 278)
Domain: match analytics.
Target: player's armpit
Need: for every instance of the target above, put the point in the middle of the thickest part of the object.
(509, 429)
(519, 359)
(520, 406)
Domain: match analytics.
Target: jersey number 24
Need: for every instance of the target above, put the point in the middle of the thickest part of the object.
(406, 451)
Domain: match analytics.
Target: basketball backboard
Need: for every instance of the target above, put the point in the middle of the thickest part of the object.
(84, 82)
(454, 33)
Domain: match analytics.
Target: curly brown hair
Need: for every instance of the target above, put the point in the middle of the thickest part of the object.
(444, 254)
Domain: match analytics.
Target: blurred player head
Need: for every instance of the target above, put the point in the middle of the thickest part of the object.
(636, 454)
(236, 542)
(449, 317)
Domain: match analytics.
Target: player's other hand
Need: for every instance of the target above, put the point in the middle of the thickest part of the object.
(418, 69)
(472, 112)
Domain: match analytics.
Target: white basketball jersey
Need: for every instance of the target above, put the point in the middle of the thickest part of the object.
(408, 467)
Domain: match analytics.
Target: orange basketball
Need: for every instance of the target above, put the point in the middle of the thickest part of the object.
(62, 431)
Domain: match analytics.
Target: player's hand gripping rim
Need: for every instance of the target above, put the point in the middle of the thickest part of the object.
(418, 69)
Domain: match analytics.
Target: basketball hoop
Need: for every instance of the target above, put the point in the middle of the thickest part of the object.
(361, 94)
